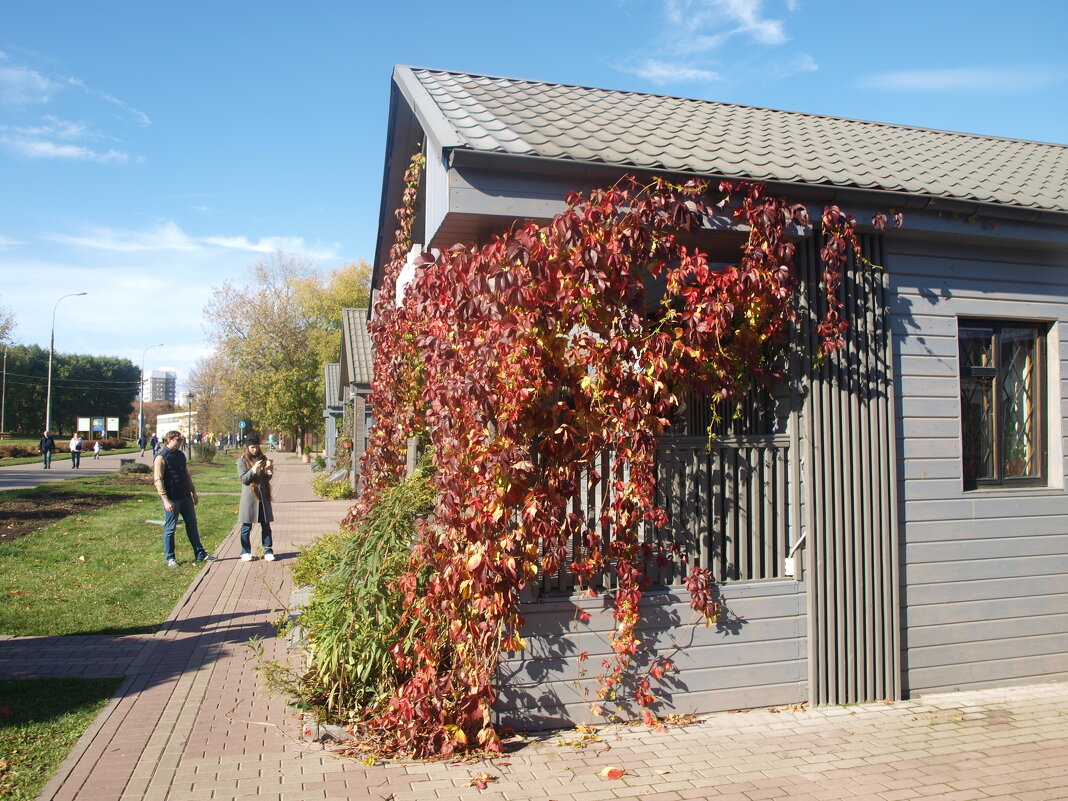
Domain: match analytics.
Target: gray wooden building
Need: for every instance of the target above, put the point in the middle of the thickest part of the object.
(354, 385)
(890, 523)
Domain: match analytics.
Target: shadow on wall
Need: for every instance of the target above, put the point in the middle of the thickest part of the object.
(554, 683)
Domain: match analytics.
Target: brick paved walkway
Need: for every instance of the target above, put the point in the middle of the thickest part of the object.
(189, 725)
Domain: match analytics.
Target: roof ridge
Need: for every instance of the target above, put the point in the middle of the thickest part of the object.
(895, 125)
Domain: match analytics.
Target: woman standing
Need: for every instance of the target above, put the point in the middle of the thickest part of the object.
(255, 471)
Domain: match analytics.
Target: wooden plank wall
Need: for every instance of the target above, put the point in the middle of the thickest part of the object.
(985, 590)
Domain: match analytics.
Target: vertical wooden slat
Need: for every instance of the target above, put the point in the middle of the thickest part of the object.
(854, 652)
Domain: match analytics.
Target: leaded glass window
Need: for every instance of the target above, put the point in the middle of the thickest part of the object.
(1001, 385)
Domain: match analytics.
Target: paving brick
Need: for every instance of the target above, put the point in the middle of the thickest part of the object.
(192, 725)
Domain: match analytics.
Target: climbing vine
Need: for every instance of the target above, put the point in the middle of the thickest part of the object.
(517, 365)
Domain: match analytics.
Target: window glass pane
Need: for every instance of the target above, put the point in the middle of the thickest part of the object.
(977, 347)
(977, 403)
(1018, 388)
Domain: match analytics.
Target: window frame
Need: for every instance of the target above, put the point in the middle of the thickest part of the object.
(1041, 401)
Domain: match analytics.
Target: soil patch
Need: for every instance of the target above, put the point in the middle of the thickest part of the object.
(22, 516)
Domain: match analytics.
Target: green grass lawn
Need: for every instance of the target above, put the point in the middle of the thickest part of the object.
(40, 721)
(61, 453)
(103, 571)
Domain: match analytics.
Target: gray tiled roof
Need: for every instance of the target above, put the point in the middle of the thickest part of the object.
(699, 136)
(332, 380)
(355, 347)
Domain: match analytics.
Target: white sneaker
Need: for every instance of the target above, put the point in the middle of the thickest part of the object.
(246, 557)
(268, 557)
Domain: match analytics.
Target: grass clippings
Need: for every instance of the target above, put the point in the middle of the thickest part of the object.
(40, 721)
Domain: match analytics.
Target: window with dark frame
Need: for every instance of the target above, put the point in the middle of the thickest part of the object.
(1002, 402)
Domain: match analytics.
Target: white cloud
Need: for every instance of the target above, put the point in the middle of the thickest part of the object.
(21, 86)
(696, 35)
(55, 138)
(168, 235)
(164, 236)
(694, 19)
(7, 243)
(134, 114)
(802, 62)
(45, 149)
(663, 72)
(1018, 79)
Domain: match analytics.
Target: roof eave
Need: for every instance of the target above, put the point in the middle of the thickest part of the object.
(828, 193)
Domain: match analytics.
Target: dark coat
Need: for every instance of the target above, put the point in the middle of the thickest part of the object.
(47, 444)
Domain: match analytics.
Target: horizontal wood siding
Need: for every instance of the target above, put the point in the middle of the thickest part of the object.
(756, 658)
(985, 573)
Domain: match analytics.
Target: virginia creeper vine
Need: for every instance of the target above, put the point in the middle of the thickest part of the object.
(520, 362)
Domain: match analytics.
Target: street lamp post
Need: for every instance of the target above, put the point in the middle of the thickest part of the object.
(141, 393)
(189, 440)
(51, 350)
(3, 393)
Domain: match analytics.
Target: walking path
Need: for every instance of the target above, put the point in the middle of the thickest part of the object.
(188, 724)
(30, 475)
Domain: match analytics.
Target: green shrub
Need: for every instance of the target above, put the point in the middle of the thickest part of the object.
(355, 613)
(134, 468)
(319, 558)
(15, 451)
(204, 452)
(335, 490)
(110, 444)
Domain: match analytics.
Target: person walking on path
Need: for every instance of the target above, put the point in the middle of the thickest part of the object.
(48, 447)
(255, 471)
(76, 443)
(175, 487)
(155, 445)
(142, 441)
(96, 450)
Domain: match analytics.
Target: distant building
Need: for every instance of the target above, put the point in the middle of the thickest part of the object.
(177, 421)
(161, 385)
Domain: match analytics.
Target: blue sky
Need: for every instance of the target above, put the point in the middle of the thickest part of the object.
(150, 151)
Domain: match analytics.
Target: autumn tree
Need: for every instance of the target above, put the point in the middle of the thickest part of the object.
(208, 382)
(7, 325)
(273, 335)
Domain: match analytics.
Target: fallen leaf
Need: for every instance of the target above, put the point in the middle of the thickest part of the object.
(480, 780)
(612, 773)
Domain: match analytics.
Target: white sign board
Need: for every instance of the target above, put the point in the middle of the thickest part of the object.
(83, 424)
(113, 424)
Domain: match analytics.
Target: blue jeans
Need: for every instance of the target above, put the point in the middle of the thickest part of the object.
(75, 458)
(265, 535)
(185, 508)
(46, 457)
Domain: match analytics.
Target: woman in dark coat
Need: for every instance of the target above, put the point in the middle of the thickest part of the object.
(255, 471)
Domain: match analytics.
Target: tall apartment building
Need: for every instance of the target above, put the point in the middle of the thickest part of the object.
(161, 385)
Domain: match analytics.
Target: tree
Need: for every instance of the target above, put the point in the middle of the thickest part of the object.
(82, 386)
(7, 324)
(274, 334)
(347, 287)
(207, 382)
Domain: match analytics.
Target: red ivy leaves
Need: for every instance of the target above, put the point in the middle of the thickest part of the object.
(521, 363)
